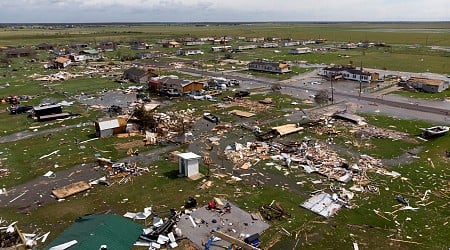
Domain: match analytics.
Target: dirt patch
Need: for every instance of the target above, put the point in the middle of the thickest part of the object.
(128, 145)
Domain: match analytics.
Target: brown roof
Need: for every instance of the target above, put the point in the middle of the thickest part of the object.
(427, 81)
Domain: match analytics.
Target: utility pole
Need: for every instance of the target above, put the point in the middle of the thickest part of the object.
(360, 82)
(332, 89)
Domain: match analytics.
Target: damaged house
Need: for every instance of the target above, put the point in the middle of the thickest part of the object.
(109, 127)
(171, 44)
(21, 52)
(426, 84)
(271, 67)
(61, 62)
(138, 45)
(49, 112)
(106, 46)
(88, 54)
(171, 86)
(349, 73)
(137, 75)
(45, 46)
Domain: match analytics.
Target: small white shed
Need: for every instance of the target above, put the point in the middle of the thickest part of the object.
(188, 164)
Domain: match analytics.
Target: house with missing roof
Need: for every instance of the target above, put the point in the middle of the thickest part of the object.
(427, 85)
(272, 67)
(138, 45)
(106, 46)
(20, 52)
(172, 44)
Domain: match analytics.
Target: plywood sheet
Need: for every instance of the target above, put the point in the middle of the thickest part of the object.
(71, 189)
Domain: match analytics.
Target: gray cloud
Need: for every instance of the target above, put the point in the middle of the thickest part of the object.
(18, 11)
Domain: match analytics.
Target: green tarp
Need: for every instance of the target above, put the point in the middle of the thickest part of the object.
(93, 231)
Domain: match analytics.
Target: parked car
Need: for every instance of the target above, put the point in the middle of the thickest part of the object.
(20, 109)
(242, 93)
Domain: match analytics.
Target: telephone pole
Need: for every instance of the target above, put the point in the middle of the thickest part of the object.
(360, 82)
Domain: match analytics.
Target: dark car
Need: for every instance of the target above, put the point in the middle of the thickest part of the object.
(242, 93)
(20, 109)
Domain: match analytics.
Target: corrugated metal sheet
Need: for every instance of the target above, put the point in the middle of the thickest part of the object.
(110, 124)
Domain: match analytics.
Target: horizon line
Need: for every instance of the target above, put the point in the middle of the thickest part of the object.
(218, 22)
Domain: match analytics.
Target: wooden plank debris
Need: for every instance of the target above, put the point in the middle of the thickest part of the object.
(233, 240)
(242, 113)
(287, 129)
(71, 189)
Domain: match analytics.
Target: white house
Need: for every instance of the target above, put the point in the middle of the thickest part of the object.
(255, 39)
(188, 52)
(290, 43)
(188, 164)
(349, 73)
(246, 47)
(269, 45)
(303, 50)
(194, 43)
(224, 48)
(109, 127)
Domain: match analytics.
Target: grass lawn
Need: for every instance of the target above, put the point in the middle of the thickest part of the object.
(422, 95)
(279, 77)
(360, 224)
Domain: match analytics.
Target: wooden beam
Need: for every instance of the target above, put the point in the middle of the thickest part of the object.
(233, 240)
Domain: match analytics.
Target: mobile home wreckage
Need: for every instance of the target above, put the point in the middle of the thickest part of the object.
(272, 67)
(425, 84)
(49, 112)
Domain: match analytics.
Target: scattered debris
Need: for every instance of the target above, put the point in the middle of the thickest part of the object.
(120, 172)
(435, 131)
(323, 204)
(273, 211)
(47, 155)
(287, 129)
(232, 225)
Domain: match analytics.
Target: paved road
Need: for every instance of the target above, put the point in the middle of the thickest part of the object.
(37, 192)
(433, 107)
(27, 134)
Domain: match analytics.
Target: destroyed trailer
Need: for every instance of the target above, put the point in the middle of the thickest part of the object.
(49, 112)
(164, 228)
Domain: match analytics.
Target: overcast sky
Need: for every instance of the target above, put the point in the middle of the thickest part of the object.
(66, 11)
